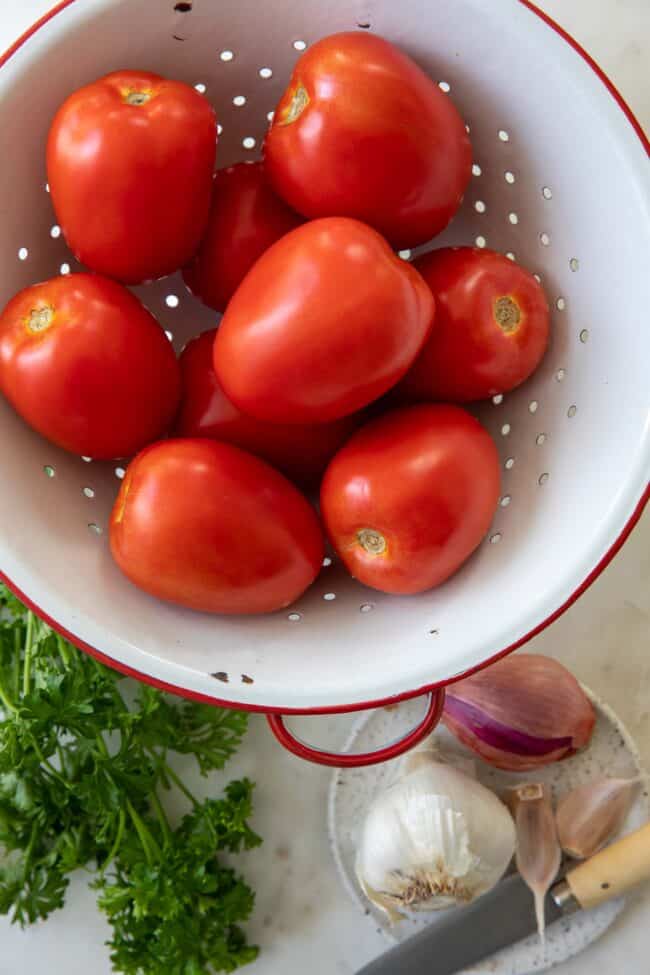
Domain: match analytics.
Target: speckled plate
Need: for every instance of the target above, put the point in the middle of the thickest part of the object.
(611, 752)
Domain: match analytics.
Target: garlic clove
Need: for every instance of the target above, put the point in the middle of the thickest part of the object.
(538, 850)
(521, 713)
(590, 815)
(433, 839)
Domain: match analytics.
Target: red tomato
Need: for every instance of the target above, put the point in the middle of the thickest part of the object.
(300, 452)
(208, 526)
(246, 217)
(130, 161)
(410, 496)
(363, 132)
(86, 365)
(326, 321)
(492, 326)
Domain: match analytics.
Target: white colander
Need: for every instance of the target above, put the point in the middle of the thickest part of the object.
(561, 183)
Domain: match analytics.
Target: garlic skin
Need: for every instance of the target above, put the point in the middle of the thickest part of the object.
(433, 839)
(523, 712)
(590, 815)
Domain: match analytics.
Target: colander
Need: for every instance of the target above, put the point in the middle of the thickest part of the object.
(561, 183)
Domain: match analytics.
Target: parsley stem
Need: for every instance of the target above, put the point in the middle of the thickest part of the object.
(29, 643)
(101, 744)
(149, 845)
(48, 765)
(16, 671)
(6, 700)
(125, 742)
(30, 848)
(63, 650)
(116, 844)
(180, 784)
(160, 812)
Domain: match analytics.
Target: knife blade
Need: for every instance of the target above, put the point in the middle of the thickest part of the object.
(465, 936)
(505, 915)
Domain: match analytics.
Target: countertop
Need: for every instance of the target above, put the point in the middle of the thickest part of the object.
(304, 920)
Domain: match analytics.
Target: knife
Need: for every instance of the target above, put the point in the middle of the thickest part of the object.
(505, 914)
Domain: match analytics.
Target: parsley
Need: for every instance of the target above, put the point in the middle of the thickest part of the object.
(81, 778)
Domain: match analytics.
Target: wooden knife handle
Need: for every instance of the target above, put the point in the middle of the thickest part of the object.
(612, 871)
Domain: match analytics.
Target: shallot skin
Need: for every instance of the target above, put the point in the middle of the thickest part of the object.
(522, 713)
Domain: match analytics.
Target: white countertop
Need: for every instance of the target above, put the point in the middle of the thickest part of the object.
(303, 919)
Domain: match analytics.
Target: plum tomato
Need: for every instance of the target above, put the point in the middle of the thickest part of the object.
(325, 322)
(410, 496)
(246, 217)
(85, 364)
(363, 132)
(492, 327)
(130, 163)
(212, 528)
(300, 452)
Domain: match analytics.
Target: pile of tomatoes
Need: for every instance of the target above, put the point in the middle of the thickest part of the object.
(336, 364)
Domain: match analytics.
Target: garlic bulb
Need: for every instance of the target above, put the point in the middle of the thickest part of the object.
(591, 814)
(434, 838)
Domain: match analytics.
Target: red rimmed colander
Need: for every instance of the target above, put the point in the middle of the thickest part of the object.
(561, 183)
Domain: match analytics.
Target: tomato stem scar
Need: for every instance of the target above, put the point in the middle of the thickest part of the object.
(507, 314)
(371, 541)
(40, 319)
(137, 97)
(297, 105)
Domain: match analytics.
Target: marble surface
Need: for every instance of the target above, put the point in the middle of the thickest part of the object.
(304, 919)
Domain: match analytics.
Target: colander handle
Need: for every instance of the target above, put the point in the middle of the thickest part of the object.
(345, 760)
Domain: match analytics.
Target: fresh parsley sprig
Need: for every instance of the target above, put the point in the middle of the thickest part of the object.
(82, 776)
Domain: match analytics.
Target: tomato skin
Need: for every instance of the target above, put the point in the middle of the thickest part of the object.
(300, 452)
(101, 380)
(210, 527)
(131, 184)
(423, 481)
(376, 139)
(470, 356)
(326, 321)
(246, 217)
